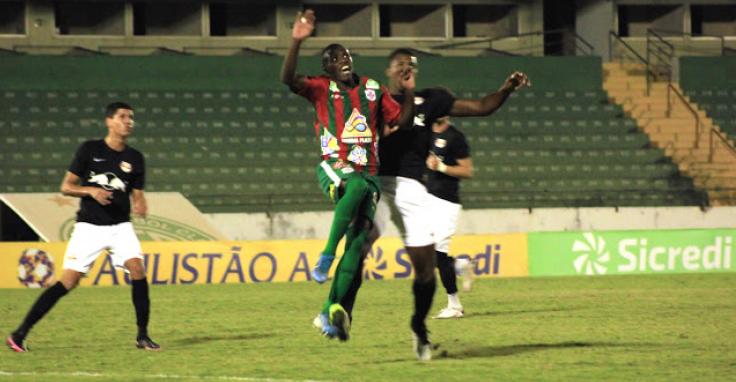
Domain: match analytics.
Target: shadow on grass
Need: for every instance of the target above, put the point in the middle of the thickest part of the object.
(512, 312)
(440, 353)
(507, 350)
(205, 339)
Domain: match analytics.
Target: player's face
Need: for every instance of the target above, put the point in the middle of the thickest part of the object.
(121, 123)
(339, 64)
(399, 66)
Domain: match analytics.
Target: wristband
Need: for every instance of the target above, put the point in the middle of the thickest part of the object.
(441, 167)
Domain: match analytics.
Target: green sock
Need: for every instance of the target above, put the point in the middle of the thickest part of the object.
(355, 190)
(346, 268)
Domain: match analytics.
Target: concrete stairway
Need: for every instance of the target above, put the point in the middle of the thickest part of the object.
(676, 132)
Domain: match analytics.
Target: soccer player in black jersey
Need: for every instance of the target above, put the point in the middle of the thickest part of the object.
(402, 172)
(448, 162)
(105, 174)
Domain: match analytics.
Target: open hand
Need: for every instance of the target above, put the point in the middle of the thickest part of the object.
(101, 195)
(303, 25)
(516, 80)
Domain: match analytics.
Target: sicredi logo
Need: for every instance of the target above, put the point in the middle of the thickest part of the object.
(643, 255)
(640, 256)
(592, 255)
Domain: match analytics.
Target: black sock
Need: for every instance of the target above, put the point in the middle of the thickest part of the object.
(43, 304)
(142, 306)
(423, 295)
(446, 266)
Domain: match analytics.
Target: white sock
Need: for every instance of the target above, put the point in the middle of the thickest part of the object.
(460, 266)
(453, 301)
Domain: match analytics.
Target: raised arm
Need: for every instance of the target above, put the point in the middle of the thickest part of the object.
(406, 117)
(303, 27)
(70, 186)
(491, 102)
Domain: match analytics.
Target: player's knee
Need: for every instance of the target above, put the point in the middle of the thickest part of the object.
(136, 269)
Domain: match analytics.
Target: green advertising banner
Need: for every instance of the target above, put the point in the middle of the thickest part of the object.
(631, 252)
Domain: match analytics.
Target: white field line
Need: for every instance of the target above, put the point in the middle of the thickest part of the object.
(85, 374)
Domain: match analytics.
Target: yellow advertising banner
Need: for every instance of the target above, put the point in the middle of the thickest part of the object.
(215, 262)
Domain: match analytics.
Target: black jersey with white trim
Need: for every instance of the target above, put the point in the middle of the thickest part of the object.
(449, 146)
(404, 153)
(97, 165)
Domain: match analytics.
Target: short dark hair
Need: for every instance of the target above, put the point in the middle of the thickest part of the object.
(326, 53)
(112, 108)
(400, 51)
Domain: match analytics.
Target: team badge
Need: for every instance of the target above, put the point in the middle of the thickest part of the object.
(358, 155)
(441, 143)
(356, 129)
(126, 167)
(418, 100)
(370, 94)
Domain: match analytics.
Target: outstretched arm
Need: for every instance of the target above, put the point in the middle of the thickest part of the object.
(492, 102)
(303, 27)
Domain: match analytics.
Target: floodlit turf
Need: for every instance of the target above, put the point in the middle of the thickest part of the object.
(678, 327)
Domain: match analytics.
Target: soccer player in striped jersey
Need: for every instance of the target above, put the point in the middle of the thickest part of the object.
(352, 112)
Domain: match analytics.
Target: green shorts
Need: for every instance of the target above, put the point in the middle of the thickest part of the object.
(330, 173)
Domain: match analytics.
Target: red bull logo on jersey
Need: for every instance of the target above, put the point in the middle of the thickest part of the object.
(356, 129)
(108, 181)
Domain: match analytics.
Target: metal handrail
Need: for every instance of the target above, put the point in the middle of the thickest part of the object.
(723, 139)
(614, 36)
(672, 88)
(491, 40)
(681, 33)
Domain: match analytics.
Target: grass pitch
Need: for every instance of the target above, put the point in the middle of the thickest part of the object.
(675, 327)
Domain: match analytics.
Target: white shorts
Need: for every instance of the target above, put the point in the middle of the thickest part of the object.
(445, 222)
(408, 198)
(88, 240)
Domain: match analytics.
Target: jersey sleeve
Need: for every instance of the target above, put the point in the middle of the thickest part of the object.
(139, 182)
(315, 88)
(462, 149)
(389, 107)
(78, 166)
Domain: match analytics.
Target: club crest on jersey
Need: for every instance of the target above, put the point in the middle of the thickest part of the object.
(358, 155)
(370, 94)
(335, 90)
(126, 167)
(356, 129)
(418, 100)
(441, 143)
(328, 143)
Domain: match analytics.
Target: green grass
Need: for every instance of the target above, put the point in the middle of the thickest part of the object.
(676, 327)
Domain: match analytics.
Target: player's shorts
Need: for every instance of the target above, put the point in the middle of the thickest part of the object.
(445, 222)
(330, 173)
(410, 199)
(88, 240)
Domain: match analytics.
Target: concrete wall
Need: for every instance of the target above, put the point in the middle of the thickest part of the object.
(593, 21)
(316, 225)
